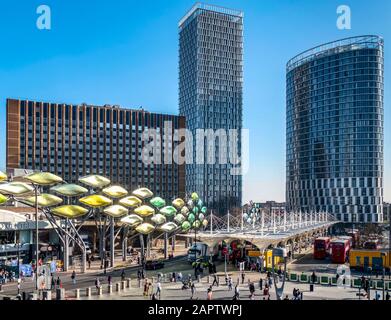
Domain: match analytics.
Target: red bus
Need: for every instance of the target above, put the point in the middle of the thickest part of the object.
(321, 247)
(339, 250)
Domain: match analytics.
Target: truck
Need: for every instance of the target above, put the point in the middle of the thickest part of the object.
(198, 250)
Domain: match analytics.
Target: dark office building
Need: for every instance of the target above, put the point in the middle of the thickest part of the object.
(210, 96)
(77, 140)
(335, 116)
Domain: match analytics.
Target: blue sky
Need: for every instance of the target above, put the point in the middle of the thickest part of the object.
(126, 53)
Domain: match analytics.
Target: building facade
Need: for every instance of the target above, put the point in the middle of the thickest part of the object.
(76, 140)
(334, 129)
(387, 211)
(210, 97)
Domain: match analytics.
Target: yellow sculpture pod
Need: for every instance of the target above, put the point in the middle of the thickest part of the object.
(132, 220)
(96, 201)
(116, 211)
(168, 227)
(69, 190)
(15, 188)
(44, 200)
(145, 228)
(185, 211)
(43, 178)
(3, 199)
(143, 193)
(95, 181)
(69, 211)
(115, 191)
(144, 211)
(130, 201)
(178, 203)
(3, 176)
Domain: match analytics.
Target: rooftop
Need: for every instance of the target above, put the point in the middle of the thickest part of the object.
(208, 7)
(346, 44)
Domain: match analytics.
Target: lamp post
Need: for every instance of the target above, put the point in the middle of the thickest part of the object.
(36, 237)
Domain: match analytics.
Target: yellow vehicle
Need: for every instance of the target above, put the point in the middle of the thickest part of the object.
(363, 259)
(268, 260)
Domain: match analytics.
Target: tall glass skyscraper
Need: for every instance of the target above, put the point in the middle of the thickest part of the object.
(210, 95)
(335, 129)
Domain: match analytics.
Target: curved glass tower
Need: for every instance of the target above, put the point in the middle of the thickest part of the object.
(334, 129)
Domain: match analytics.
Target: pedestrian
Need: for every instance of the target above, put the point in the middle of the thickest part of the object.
(209, 293)
(252, 291)
(243, 276)
(73, 277)
(53, 284)
(109, 280)
(58, 282)
(215, 281)
(123, 275)
(286, 297)
(229, 284)
(97, 283)
(19, 282)
(158, 290)
(193, 289)
(260, 283)
(237, 293)
(145, 293)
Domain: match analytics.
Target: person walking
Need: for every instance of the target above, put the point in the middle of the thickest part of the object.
(260, 283)
(158, 290)
(58, 282)
(97, 283)
(19, 282)
(215, 281)
(73, 277)
(123, 275)
(209, 293)
(53, 283)
(252, 291)
(193, 289)
(243, 276)
(237, 293)
(229, 284)
(109, 280)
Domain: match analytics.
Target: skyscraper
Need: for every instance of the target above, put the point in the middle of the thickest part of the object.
(77, 140)
(210, 95)
(335, 118)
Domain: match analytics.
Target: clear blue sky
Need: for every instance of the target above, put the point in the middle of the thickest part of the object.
(126, 52)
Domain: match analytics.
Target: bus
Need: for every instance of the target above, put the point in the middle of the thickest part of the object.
(372, 244)
(321, 247)
(339, 250)
(362, 259)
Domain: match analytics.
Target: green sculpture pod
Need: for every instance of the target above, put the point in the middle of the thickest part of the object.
(168, 211)
(158, 202)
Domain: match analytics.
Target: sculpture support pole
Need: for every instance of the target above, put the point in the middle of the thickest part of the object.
(112, 243)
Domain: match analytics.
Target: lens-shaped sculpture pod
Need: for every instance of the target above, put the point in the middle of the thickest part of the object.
(15, 188)
(116, 211)
(196, 224)
(178, 203)
(158, 219)
(145, 228)
(168, 211)
(69, 211)
(69, 190)
(130, 202)
(3, 176)
(179, 218)
(44, 200)
(132, 220)
(191, 218)
(190, 204)
(158, 202)
(143, 193)
(185, 211)
(195, 210)
(168, 227)
(144, 211)
(115, 192)
(185, 226)
(203, 210)
(201, 216)
(96, 201)
(200, 203)
(95, 181)
(204, 223)
(3, 199)
(194, 197)
(43, 178)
